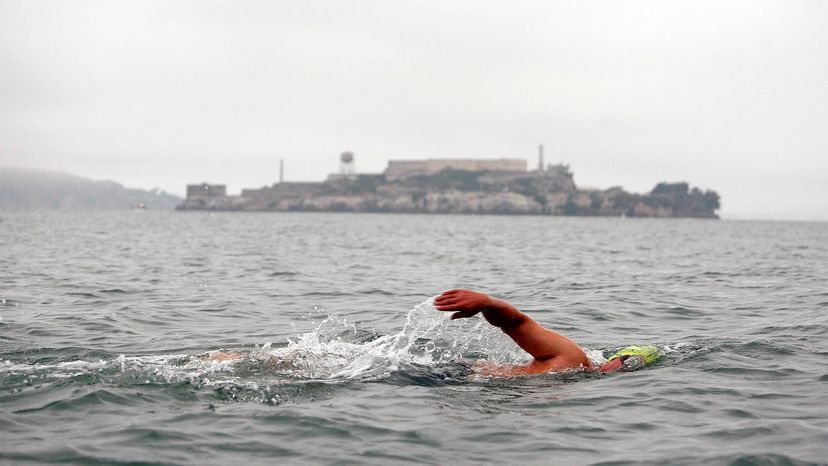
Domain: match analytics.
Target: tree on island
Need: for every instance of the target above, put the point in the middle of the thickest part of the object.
(687, 201)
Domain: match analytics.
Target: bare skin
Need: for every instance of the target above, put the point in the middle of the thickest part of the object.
(552, 352)
(222, 356)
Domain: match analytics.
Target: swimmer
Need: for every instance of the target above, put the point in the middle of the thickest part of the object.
(552, 352)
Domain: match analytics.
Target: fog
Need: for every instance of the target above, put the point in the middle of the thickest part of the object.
(730, 96)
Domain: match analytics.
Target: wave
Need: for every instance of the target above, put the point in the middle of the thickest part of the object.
(428, 350)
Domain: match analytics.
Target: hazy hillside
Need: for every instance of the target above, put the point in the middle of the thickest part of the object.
(22, 189)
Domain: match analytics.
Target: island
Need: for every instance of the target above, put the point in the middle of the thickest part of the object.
(458, 186)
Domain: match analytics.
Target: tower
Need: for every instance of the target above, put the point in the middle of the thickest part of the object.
(281, 170)
(346, 164)
(540, 158)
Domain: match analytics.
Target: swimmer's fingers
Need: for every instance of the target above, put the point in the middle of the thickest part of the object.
(446, 301)
(451, 305)
(443, 303)
(454, 296)
(454, 293)
(447, 295)
(463, 314)
(463, 300)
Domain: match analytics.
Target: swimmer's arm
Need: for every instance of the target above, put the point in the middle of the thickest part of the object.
(551, 350)
(496, 369)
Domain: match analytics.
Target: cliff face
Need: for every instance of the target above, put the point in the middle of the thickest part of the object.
(451, 201)
(464, 192)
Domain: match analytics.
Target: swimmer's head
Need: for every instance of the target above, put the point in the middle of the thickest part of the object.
(631, 358)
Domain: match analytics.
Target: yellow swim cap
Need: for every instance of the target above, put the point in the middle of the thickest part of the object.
(647, 353)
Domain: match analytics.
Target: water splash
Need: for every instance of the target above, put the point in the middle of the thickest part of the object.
(428, 338)
(336, 350)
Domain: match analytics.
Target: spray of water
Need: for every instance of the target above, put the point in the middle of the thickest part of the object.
(331, 352)
(428, 338)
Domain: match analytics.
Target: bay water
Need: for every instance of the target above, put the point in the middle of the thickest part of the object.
(105, 319)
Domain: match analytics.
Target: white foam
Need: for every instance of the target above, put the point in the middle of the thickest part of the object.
(596, 357)
(428, 338)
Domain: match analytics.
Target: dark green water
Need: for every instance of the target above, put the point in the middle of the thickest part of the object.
(103, 317)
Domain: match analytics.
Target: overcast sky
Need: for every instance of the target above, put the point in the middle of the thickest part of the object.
(727, 95)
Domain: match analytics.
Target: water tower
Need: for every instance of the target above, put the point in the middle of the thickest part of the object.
(346, 164)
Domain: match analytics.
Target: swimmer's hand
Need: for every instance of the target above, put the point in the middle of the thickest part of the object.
(465, 303)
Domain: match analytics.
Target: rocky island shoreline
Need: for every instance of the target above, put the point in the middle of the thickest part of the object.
(436, 187)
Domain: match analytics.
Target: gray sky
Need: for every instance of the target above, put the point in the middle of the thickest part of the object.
(731, 96)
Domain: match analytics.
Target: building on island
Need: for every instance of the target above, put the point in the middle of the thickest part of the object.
(398, 169)
(204, 196)
(206, 190)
